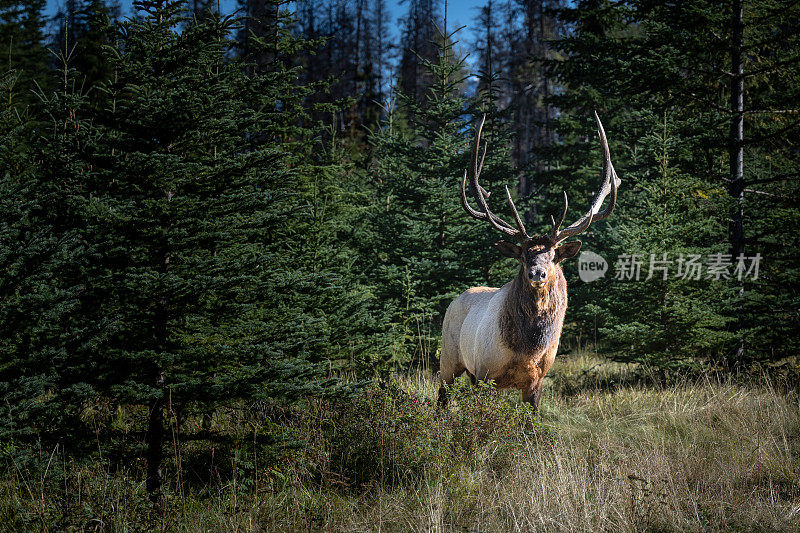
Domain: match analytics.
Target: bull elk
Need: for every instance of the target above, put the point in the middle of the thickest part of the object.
(510, 335)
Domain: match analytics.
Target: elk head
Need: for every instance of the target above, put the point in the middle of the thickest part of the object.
(539, 255)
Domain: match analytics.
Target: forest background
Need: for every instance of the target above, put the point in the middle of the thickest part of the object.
(249, 212)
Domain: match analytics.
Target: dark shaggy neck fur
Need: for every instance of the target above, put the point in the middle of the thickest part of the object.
(532, 317)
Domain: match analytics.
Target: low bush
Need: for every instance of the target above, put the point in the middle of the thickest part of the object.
(385, 434)
(704, 454)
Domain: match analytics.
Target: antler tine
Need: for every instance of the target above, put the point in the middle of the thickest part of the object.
(465, 203)
(484, 192)
(573, 229)
(478, 191)
(610, 185)
(517, 218)
(473, 213)
(610, 179)
(480, 194)
(556, 225)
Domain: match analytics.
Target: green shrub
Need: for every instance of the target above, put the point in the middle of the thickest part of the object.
(384, 434)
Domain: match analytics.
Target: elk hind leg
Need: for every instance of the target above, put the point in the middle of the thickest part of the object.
(450, 367)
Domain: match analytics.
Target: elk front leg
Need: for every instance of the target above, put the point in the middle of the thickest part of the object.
(447, 378)
(442, 399)
(532, 394)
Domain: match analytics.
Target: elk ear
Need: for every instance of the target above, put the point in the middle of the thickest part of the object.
(565, 251)
(509, 249)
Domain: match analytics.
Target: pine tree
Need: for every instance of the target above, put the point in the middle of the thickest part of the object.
(42, 255)
(352, 56)
(653, 308)
(260, 32)
(190, 230)
(22, 50)
(532, 87)
(637, 61)
(513, 44)
(82, 30)
(427, 249)
(419, 48)
(92, 30)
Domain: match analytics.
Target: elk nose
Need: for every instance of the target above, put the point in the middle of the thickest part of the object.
(537, 274)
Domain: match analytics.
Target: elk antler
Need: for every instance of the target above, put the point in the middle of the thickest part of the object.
(594, 213)
(480, 194)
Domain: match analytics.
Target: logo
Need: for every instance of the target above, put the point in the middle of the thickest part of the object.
(591, 266)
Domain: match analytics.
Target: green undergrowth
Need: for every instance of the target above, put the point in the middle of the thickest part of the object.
(608, 451)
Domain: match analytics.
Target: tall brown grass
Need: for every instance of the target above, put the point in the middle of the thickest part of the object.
(606, 453)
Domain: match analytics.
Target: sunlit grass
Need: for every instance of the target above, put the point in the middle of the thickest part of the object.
(605, 453)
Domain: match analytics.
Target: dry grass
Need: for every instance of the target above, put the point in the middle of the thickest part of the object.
(705, 455)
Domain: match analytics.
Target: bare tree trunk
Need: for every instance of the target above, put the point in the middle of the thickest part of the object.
(533, 51)
(155, 441)
(378, 28)
(155, 426)
(736, 149)
(544, 27)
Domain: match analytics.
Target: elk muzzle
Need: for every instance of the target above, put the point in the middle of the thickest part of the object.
(537, 275)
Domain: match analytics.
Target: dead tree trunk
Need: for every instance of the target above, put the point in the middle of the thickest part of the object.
(736, 152)
(155, 441)
(155, 426)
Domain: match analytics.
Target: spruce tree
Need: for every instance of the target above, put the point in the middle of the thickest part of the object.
(42, 256)
(653, 307)
(643, 63)
(419, 38)
(91, 27)
(23, 51)
(189, 230)
(426, 249)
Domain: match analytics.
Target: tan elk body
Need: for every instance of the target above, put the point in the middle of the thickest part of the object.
(510, 335)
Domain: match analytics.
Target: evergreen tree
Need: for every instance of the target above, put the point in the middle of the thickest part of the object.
(81, 31)
(92, 30)
(490, 50)
(42, 255)
(22, 51)
(190, 228)
(513, 44)
(260, 34)
(202, 8)
(351, 57)
(427, 250)
(531, 87)
(643, 61)
(656, 307)
(420, 47)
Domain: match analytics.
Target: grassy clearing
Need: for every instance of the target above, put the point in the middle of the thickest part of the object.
(604, 454)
